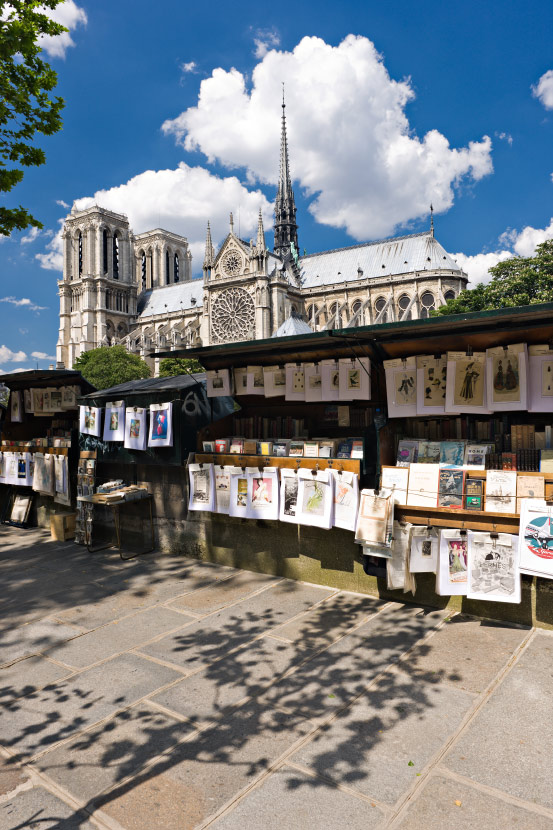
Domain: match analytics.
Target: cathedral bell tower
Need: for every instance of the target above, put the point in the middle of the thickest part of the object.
(286, 229)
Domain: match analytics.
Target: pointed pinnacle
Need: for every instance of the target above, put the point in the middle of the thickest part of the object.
(260, 233)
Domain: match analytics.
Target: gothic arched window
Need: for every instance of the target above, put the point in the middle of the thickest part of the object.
(115, 257)
(449, 295)
(143, 270)
(80, 253)
(335, 317)
(176, 275)
(356, 310)
(379, 306)
(312, 314)
(167, 280)
(428, 303)
(403, 305)
(105, 250)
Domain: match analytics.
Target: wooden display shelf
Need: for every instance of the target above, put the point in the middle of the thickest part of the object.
(350, 465)
(43, 450)
(462, 519)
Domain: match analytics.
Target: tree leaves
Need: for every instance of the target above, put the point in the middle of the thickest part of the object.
(170, 366)
(109, 366)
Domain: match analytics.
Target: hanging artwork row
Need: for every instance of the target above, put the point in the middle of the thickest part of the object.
(501, 379)
(347, 379)
(129, 424)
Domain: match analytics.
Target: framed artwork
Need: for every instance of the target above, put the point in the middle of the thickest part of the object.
(540, 378)
(114, 421)
(161, 425)
(218, 383)
(20, 509)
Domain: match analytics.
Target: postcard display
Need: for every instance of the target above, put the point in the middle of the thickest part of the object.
(496, 470)
(86, 479)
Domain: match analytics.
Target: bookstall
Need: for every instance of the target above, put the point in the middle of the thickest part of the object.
(449, 441)
(38, 452)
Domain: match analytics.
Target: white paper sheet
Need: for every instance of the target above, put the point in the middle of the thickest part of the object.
(396, 479)
(330, 372)
(240, 381)
(452, 576)
(506, 377)
(295, 382)
(398, 576)
(238, 505)
(289, 484)
(401, 387)
(540, 378)
(501, 491)
(90, 417)
(431, 385)
(161, 425)
(263, 492)
(424, 550)
(313, 382)
(135, 428)
(354, 379)
(346, 499)
(61, 475)
(114, 421)
(218, 383)
(423, 485)
(493, 572)
(221, 475)
(201, 487)
(374, 519)
(44, 479)
(274, 379)
(315, 498)
(255, 380)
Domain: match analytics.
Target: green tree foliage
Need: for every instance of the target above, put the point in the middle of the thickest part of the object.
(515, 282)
(109, 366)
(171, 366)
(26, 107)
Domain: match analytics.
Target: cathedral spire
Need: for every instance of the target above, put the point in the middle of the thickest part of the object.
(286, 230)
(209, 251)
(260, 233)
(431, 220)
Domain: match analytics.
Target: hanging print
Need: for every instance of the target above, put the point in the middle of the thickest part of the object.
(506, 369)
(135, 428)
(274, 381)
(218, 383)
(452, 577)
(431, 384)
(114, 421)
(161, 425)
(315, 498)
(288, 495)
(536, 538)
(89, 418)
(262, 492)
(16, 409)
(540, 374)
(201, 481)
(401, 387)
(222, 489)
(493, 569)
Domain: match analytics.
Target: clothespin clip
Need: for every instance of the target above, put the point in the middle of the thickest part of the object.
(260, 467)
(462, 532)
(243, 469)
(494, 534)
(340, 469)
(437, 357)
(469, 351)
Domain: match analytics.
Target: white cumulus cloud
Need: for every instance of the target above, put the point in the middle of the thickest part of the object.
(351, 146)
(181, 201)
(69, 15)
(6, 355)
(543, 90)
(188, 67)
(24, 302)
(30, 236)
(42, 356)
(61, 203)
(264, 40)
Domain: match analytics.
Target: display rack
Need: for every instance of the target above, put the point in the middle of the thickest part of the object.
(239, 460)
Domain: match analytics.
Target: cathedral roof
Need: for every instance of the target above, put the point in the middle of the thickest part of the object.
(181, 296)
(293, 325)
(384, 258)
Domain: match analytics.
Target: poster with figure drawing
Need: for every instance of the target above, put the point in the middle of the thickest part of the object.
(452, 575)
(466, 383)
(238, 501)
(201, 487)
(540, 378)
(114, 421)
(493, 572)
(262, 493)
(506, 369)
(401, 387)
(346, 499)
(289, 483)
(315, 498)
(161, 425)
(135, 428)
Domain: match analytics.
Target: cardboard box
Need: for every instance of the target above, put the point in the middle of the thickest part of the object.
(62, 526)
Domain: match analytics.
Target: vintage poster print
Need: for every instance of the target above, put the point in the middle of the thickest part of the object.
(222, 490)
(501, 488)
(469, 383)
(90, 418)
(262, 492)
(405, 388)
(452, 453)
(423, 557)
(290, 495)
(315, 381)
(298, 381)
(506, 380)
(313, 498)
(493, 571)
(114, 420)
(458, 560)
(201, 486)
(538, 536)
(435, 383)
(450, 489)
(547, 379)
(346, 499)
(353, 379)
(16, 409)
(373, 519)
(429, 452)
(242, 492)
(159, 425)
(135, 428)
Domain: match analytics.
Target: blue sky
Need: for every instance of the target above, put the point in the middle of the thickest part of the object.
(172, 117)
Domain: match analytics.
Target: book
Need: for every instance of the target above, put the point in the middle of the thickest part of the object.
(280, 448)
(344, 449)
(501, 487)
(237, 446)
(429, 452)
(221, 444)
(546, 461)
(450, 488)
(423, 485)
(452, 453)
(529, 487)
(327, 448)
(474, 493)
(296, 449)
(311, 449)
(343, 416)
(548, 486)
(357, 448)
(475, 456)
(208, 446)
(250, 447)
(407, 452)
(265, 447)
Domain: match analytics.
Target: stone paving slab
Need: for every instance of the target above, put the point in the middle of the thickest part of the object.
(109, 753)
(34, 723)
(11, 776)
(246, 673)
(213, 637)
(233, 589)
(117, 636)
(467, 653)
(291, 800)
(380, 743)
(38, 808)
(26, 676)
(34, 638)
(344, 670)
(436, 809)
(509, 744)
(202, 775)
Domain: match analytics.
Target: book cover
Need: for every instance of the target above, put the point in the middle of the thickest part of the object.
(407, 452)
(296, 449)
(474, 493)
(311, 449)
(344, 449)
(450, 489)
(357, 449)
(221, 445)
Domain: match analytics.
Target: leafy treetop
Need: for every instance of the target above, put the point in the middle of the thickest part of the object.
(109, 366)
(26, 107)
(515, 282)
(171, 366)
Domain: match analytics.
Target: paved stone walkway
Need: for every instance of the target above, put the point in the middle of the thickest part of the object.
(169, 694)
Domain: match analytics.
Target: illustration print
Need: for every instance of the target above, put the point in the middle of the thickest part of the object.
(89, 418)
(279, 378)
(217, 382)
(160, 421)
(538, 536)
(313, 498)
(135, 428)
(457, 551)
(354, 379)
(434, 385)
(201, 485)
(290, 495)
(406, 388)
(114, 420)
(506, 385)
(262, 490)
(469, 383)
(547, 378)
(315, 381)
(242, 492)
(492, 569)
(299, 380)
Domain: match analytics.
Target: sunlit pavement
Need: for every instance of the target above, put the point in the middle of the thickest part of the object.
(166, 693)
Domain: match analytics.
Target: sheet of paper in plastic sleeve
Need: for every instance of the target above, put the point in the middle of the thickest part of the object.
(423, 557)
(255, 380)
(540, 378)
(536, 538)
(330, 373)
(313, 382)
(25, 469)
(289, 485)
(28, 399)
(401, 387)
(493, 572)
(89, 420)
(222, 488)
(3, 466)
(398, 576)
(354, 379)
(274, 380)
(218, 383)
(69, 396)
(161, 425)
(61, 473)
(201, 487)
(43, 479)
(238, 504)
(466, 384)
(315, 498)
(346, 499)
(295, 382)
(452, 576)
(506, 377)
(16, 407)
(529, 487)
(263, 492)
(241, 381)
(374, 520)
(114, 421)
(423, 485)
(9, 468)
(135, 428)
(431, 384)
(396, 479)
(501, 491)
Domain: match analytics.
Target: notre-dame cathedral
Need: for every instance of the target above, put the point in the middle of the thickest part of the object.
(137, 289)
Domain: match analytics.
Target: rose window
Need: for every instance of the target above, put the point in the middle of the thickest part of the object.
(232, 263)
(233, 316)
